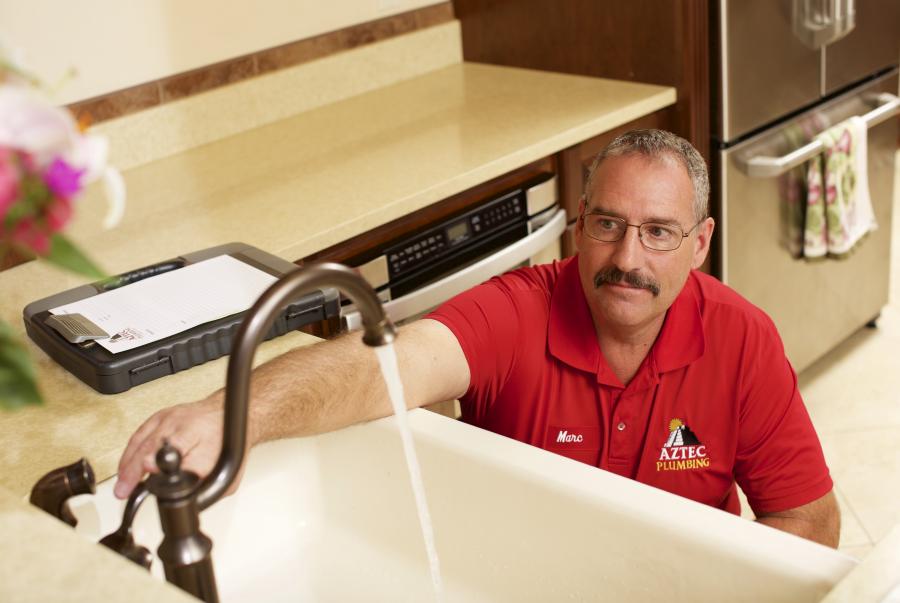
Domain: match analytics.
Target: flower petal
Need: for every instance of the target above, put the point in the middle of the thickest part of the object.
(114, 186)
(30, 123)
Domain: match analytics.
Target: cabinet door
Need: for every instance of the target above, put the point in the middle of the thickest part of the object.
(872, 45)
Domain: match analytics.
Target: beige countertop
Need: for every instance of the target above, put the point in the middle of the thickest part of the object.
(291, 188)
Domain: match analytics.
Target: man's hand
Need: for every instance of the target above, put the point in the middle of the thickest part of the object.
(309, 390)
(819, 521)
(195, 429)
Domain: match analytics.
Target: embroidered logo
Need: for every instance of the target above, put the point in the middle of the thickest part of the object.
(682, 450)
(564, 437)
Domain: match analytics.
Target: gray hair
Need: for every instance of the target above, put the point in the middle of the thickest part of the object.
(659, 144)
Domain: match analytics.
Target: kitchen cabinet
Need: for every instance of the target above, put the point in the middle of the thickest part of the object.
(641, 40)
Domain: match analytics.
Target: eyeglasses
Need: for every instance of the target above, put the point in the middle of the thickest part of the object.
(653, 235)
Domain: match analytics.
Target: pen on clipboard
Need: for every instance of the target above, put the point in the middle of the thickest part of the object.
(140, 274)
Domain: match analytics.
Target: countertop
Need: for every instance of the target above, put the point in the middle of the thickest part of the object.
(291, 188)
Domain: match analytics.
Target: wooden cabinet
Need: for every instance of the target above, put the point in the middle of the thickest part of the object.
(653, 41)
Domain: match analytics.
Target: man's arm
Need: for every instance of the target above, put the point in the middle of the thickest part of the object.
(819, 521)
(309, 390)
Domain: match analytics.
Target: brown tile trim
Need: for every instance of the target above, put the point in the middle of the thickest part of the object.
(150, 94)
(116, 104)
(206, 78)
(317, 47)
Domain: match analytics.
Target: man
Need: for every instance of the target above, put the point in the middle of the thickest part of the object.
(623, 357)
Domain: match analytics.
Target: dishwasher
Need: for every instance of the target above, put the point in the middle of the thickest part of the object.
(418, 272)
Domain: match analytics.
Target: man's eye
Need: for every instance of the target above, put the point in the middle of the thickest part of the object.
(659, 232)
(607, 224)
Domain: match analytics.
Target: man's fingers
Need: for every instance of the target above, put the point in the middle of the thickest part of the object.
(137, 439)
(139, 455)
(140, 461)
(187, 428)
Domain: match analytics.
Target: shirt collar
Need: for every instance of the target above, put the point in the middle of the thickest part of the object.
(572, 339)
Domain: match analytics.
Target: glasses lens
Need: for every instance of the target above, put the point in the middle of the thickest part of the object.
(661, 237)
(604, 228)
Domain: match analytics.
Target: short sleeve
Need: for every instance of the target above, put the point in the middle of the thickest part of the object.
(779, 463)
(486, 322)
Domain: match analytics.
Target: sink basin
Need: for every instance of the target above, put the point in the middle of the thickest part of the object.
(333, 518)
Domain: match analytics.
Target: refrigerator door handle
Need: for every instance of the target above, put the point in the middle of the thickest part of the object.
(818, 23)
(768, 167)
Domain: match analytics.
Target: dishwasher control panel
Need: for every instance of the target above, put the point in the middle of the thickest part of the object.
(478, 224)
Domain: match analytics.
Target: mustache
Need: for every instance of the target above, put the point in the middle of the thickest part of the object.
(635, 279)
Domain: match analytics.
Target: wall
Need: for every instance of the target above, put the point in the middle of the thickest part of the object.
(115, 45)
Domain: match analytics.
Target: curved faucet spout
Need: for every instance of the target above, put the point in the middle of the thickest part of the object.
(378, 331)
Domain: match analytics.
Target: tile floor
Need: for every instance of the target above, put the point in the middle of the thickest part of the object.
(853, 397)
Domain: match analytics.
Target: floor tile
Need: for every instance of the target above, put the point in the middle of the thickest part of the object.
(866, 467)
(857, 386)
(852, 533)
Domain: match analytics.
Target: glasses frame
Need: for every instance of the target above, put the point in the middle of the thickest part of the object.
(639, 227)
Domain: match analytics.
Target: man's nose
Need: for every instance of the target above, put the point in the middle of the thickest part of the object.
(629, 251)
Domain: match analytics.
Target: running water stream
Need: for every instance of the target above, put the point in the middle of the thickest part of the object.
(387, 358)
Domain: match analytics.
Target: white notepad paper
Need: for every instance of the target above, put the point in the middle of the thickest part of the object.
(172, 302)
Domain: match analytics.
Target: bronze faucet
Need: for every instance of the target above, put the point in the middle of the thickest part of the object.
(122, 541)
(181, 495)
(52, 492)
(185, 551)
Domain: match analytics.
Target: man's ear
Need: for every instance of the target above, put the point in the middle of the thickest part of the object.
(702, 243)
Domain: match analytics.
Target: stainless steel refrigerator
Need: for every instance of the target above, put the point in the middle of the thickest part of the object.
(786, 70)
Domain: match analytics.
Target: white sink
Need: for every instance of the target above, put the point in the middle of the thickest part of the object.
(332, 518)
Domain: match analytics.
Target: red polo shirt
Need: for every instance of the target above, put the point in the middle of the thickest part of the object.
(714, 401)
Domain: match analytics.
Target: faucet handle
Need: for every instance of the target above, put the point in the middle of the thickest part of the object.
(172, 482)
(122, 541)
(54, 489)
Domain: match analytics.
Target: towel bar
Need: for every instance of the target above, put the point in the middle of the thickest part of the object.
(766, 167)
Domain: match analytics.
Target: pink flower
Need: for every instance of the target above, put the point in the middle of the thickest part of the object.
(27, 232)
(9, 182)
(58, 213)
(62, 179)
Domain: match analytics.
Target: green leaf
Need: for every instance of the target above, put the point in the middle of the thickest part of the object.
(65, 255)
(18, 382)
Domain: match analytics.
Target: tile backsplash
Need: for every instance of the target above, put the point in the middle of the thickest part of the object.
(182, 85)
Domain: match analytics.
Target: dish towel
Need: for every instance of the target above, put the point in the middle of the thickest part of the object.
(838, 206)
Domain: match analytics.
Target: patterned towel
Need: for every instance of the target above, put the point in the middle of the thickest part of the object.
(839, 218)
(792, 184)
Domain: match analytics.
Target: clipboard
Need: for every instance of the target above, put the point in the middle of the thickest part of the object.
(110, 373)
